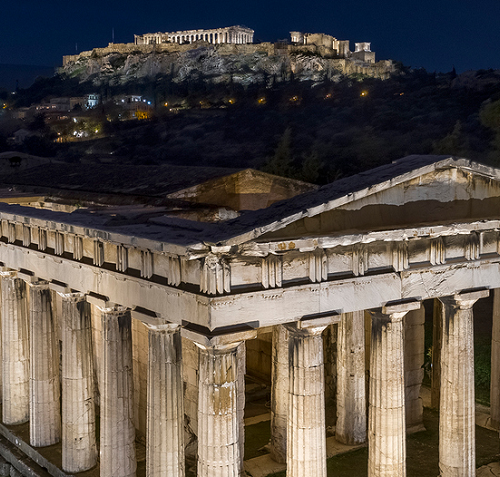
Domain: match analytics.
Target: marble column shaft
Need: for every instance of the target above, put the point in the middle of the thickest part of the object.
(45, 412)
(219, 451)
(351, 389)
(79, 450)
(306, 433)
(495, 363)
(414, 355)
(165, 411)
(279, 393)
(386, 421)
(117, 443)
(457, 447)
(15, 350)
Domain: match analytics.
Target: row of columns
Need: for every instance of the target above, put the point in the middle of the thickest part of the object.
(214, 38)
(30, 389)
(30, 372)
(31, 381)
(298, 429)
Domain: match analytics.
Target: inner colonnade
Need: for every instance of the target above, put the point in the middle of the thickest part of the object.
(325, 258)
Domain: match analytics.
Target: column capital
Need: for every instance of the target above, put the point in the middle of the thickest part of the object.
(113, 309)
(395, 311)
(41, 284)
(228, 340)
(73, 297)
(8, 274)
(403, 306)
(309, 328)
(168, 327)
(464, 299)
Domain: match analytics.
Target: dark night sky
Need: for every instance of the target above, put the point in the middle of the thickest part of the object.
(435, 34)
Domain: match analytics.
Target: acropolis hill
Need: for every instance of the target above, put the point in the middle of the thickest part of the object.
(225, 54)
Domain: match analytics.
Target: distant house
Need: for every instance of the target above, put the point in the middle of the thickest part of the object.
(21, 135)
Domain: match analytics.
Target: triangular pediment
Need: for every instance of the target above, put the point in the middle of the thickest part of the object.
(413, 191)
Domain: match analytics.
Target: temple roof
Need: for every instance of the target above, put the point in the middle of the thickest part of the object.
(432, 184)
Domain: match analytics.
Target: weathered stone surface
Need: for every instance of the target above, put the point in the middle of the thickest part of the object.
(165, 418)
(306, 433)
(15, 350)
(495, 363)
(45, 412)
(386, 421)
(437, 337)
(414, 354)
(79, 450)
(279, 393)
(351, 395)
(219, 451)
(457, 450)
(14, 472)
(117, 450)
(4, 468)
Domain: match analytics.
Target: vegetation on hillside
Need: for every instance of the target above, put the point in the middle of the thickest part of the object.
(311, 131)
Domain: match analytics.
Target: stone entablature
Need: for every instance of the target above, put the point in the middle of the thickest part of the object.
(234, 34)
(157, 258)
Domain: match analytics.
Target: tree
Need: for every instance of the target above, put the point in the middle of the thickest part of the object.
(454, 143)
(311, 168)
(281, 164)
(490, 117)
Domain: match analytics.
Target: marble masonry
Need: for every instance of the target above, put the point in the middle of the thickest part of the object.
(153, 324)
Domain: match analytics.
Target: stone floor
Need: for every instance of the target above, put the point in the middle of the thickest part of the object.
(422, 456)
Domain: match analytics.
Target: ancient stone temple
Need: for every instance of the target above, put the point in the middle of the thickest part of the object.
(234, 34)
(154, 324)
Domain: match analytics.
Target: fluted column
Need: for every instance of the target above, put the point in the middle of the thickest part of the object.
(165, 411)
(437, 336)
(351, 392)
(15, 350)
(219, 451)
(79, 450)
(457, 447)
(279, 393)
(495, 363)
(117, 453)
(45, 413)
(306, 433)
(386, 420)
(414, 367)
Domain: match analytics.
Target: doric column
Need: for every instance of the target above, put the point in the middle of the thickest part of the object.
(15, 350)
(386, 420)
(495, 363)
(219, 450)
(165, 411)
(437, 336)
(79, 451)
(457, 447)
(117, 453)
(306, 433)
(414, 367)
(45, 413)
(279, 393)
(351, 392)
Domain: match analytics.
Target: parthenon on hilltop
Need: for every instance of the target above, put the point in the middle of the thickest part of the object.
(234, 34)
(172, 311)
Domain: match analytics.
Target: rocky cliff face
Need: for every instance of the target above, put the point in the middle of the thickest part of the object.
(210, 63)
